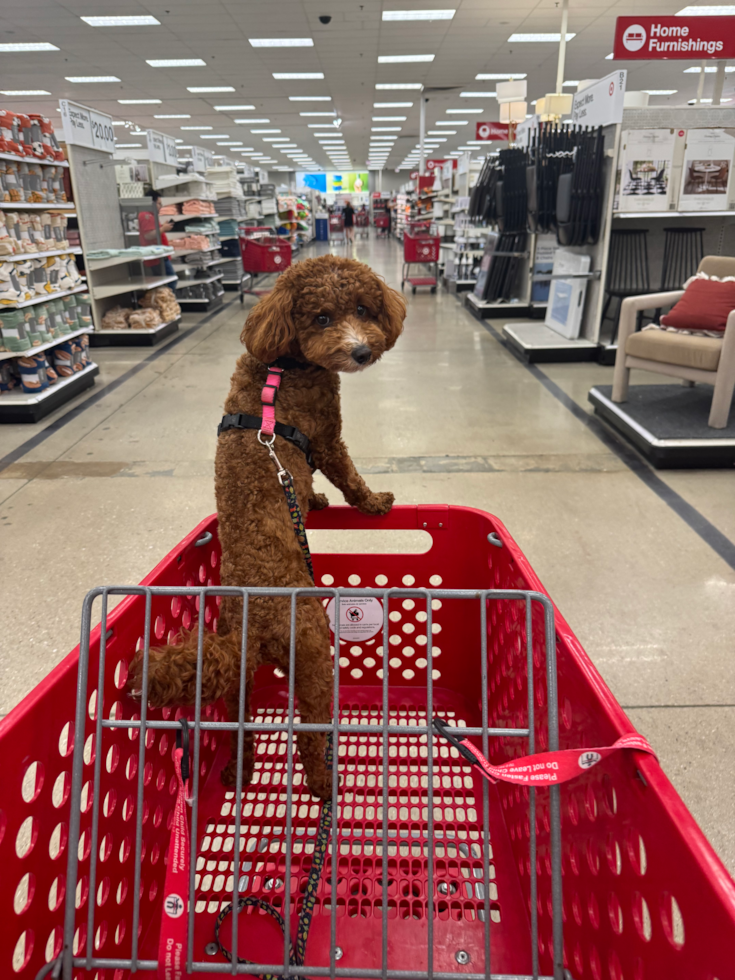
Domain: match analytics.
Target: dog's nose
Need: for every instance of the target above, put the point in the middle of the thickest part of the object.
(361, 354)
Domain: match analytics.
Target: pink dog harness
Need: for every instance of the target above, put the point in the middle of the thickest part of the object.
(268, 398)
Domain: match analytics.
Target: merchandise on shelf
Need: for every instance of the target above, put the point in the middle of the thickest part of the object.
(23, 232)
(29, 135)
(157, 306)
(21, 330)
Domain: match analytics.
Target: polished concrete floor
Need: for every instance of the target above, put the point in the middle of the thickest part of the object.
(639, 563)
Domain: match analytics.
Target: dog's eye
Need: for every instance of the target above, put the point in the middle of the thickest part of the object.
(323, 320)
(361, 311)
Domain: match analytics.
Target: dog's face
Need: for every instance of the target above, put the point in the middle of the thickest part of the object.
(331, 311)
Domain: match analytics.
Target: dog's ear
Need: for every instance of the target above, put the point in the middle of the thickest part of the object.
(393, 313)
(269, 330)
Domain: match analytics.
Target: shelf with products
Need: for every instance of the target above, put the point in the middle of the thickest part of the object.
(6, 355)
(184, 283)
(34, 406)
(147, 337)
(42, 160)
(95, 265)
(32, 206)
(40, 255)
(58, 294)
(106, 290)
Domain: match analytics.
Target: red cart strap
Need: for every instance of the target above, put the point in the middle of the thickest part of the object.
(268, 398)
(543, 768)
(174, 918)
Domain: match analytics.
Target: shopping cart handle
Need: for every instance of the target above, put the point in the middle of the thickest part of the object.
(442, 728)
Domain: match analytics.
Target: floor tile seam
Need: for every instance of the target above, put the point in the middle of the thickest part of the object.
(708, 532)
(39, 437)
(682, 707)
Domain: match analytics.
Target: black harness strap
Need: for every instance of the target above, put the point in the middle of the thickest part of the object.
(288, 432)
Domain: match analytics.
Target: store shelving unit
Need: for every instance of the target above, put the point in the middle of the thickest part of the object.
(23, 206)
(40, 255)
(135, 338)
(43, 162)
(25, 407)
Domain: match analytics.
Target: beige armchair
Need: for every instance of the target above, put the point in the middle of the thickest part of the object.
(684, 356)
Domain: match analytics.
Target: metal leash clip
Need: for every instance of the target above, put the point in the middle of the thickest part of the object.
(282, 471)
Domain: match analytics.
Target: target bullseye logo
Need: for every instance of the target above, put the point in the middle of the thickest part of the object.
(634, 37)
(277, 259)
(483, 131)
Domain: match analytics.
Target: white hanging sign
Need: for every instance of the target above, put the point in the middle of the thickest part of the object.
(602, 102)
(359, 619)
(87, 127)
(161, 148)
(199, 159)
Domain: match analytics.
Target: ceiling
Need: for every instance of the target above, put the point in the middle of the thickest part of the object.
(346, 51)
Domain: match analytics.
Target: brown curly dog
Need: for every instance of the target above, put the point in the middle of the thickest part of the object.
(324, 315)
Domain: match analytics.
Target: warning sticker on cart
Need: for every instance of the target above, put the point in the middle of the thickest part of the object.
(359, 619)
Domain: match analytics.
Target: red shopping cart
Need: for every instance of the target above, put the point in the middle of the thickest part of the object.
(336, 228)
(263, 254)
(362, 224)
(382, 224)
(420, 248)
(429, 870)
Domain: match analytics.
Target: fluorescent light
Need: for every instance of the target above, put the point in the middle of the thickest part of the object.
(176, 63)
(499, 76)
(385, 86)
(265, 130)
(660, 91)
(537, 38)
(445, 14)
(310, 98)
(139, 101)
(288, 75)
(385, 129)
(453, 122)
(183, 115)
(328, 114)
(281, 42)
(247, 122)
(210, 88)
(570, 83)
(185, 147)
(194, 127)
(91, 78)
(27, 46)
(231, 143)
(477, 95)
(24, 91)
(705, 12)
(709, 70)
(460, 112)
(442, 132)
(127, 146)
(274, 139)
(130, 20)
(214, 136)
(392, 105)
(399, 59)
(390, 118)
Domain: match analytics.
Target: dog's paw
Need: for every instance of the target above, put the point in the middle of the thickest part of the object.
(318, 501)
(377, 503)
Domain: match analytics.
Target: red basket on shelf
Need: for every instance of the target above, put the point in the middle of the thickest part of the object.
(420, 247)
(644, 894)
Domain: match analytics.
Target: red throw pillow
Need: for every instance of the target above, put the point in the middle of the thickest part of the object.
(705, 305)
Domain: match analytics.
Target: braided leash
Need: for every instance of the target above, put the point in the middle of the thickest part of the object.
(295, 956)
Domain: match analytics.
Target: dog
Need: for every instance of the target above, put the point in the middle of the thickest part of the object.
(324, 316)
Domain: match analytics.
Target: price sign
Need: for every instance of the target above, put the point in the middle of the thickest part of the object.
(199, 158)
(161, 148)
(87, 127)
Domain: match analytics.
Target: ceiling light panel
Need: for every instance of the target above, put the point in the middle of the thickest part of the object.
(307, 75)
(392, 105)
(660, 91)
(27, 46)
(80, 79)
(281, 42)
(176, 63)
(705, 11)
(445, 14)
(442, 132)
(139, 101)
(452, 122)
(461, 112)
(131, 20)
(400, 59)
(127, 146)
(203, 89)
(385, 129)
(386, 86)
(500, 76)
(537, 38)
(24, 91)
(310, 98)
(196, 127)
(477, 95)
(390, 118)
(182, 115)
(250, 122)
(265, 131)
(214, 136)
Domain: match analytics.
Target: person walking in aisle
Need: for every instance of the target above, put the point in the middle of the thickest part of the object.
(349, 218)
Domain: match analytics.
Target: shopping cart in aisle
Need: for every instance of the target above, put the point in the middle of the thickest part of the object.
(362, 224)
(421, 227)
(382, 225)
(420, 248)
(428, 868)
(336, 228)
(263, 254)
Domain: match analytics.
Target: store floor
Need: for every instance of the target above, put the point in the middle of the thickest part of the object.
(641, 564)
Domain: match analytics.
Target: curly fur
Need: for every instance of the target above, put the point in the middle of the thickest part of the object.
(259, 547)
